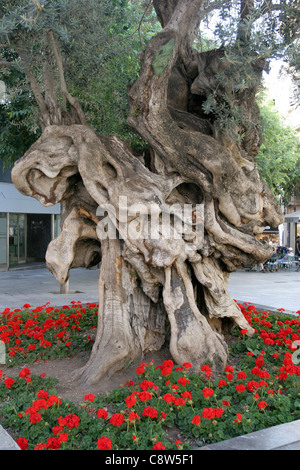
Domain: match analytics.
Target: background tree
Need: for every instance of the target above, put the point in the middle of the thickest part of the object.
(197, 112)
(18, 126)
(278, 158)
(99, 43)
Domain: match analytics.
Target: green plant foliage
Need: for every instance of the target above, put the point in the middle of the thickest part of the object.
(100, 42)
(279, 155)
(53, 332)
(18, 126)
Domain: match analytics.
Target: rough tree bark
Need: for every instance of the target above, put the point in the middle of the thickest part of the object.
(118, 207)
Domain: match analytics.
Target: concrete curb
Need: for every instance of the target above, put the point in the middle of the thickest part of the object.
(6, 441)
(281, 437)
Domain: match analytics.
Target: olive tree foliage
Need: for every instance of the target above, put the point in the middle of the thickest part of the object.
(170, 225)
(97, 42)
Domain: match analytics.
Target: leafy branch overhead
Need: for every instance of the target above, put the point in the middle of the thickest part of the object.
(98, 45)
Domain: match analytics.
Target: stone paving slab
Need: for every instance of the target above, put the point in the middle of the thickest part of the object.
(275, 290)
(282, 437)
(6, 441)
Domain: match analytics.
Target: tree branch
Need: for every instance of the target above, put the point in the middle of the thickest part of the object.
(73, 101)
(186, 149)
(6, 63)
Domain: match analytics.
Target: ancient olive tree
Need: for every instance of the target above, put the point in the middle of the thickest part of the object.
(168, 226)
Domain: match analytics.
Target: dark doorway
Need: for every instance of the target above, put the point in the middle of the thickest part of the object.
(38, 236)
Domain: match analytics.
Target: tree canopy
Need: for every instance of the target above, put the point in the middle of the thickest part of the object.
(99, 43)
(279, 155)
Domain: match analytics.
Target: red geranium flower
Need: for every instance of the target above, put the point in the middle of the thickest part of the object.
(57, 429)
(218, 412)
(89, 397)
(39, 404)
(183, 381)
(63, 437)
(205, 368)
(24, 373)
(196, 420)
(141, 368)
(186, 394)
(117, 419)
(179, 401)
(42, 394)
(71, 421)
(187, 365)
(158, 446)
(9, 382)
(35, 417)
(238, 418)
(241, 375)
(207, 392)
(144, 396)
(130, 401)
(133, 416)
(262, 405)
(40, 446)
(226, 403)
(102, 413)
(22, 443)
(168, 398)
(150, 412)
(53, 443)
(145, 384)
(222, 383)
(252, 385)
(104, 443)
(53, 399)
(208, 413)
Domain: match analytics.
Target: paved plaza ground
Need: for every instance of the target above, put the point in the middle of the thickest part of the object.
(38, 286)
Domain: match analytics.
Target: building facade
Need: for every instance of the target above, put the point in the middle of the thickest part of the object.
(292, 219)
(26, 226)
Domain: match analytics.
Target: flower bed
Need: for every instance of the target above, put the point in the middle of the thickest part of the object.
(259, 387)
(46, 332)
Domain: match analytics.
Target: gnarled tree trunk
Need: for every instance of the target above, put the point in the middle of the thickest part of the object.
(168, 230)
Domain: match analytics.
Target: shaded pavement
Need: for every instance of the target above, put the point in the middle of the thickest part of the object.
(38, 286)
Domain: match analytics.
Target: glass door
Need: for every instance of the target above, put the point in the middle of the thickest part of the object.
(22, 240)
(3, 239)
(17, 239)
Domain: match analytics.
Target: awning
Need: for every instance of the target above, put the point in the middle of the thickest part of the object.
(293, 217)
(11, 200)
